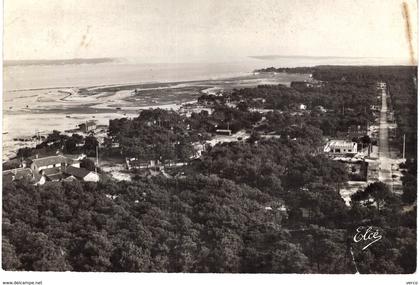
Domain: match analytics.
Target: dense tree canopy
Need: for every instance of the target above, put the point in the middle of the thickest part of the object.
(268, 204)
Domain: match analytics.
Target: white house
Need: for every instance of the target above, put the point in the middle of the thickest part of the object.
(340, 147)
(39, 164)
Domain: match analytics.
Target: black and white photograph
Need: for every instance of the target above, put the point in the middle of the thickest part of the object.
(267, 137)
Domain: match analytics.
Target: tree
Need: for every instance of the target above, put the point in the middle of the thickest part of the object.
(88, 164)
(409, 181)
(25, 152)
(242, 106)
(9, 260)
(183, 150)
(254, 137)
(44, 255)
(90, 145)
(378, 191)
(11, 164)
(95, 252)
(366, 140)
(288, 258)
(70, 145)
(409, 190)
(128, 257)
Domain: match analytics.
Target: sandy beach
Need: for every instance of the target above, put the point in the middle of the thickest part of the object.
(27, 112)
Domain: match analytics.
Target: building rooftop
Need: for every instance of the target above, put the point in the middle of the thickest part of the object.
(49, 160)
(55, 177)
(51, 171)
(76, 172)
(341, 143)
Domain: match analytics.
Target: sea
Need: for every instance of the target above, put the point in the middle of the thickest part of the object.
(25, 86)
(24, 77)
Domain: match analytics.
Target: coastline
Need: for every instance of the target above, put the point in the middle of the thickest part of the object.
(63, 108)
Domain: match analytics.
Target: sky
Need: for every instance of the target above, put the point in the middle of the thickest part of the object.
(209, 30)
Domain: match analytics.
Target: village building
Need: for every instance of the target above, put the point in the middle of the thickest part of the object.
(52, 168)
(52, 174)
(81, 174)
(340, 147)
(88, 126)
(188, 109)
(135, 163)
(43, 163)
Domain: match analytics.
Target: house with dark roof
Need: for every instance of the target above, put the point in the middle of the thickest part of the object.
(43, 163)
(52, 174)
(81, 174)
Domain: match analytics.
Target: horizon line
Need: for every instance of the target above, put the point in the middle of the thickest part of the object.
(264, 56)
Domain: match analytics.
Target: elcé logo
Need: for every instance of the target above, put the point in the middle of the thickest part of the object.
(367, 234)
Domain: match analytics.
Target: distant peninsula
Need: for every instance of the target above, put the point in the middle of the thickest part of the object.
(277, 56)
(59, 61)
(300, 70)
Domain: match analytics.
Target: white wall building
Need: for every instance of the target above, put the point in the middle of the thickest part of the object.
(340, 147)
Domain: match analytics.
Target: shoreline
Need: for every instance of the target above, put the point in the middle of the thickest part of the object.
(61, 109)
(139, 84)
(158, 83)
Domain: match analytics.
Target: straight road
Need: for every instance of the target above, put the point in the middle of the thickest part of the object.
(385, 161)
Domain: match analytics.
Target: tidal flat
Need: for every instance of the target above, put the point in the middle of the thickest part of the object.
(32, 111)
